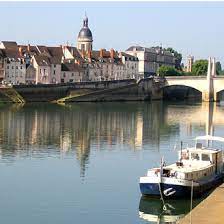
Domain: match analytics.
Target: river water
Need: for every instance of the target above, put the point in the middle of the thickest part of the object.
(81, 163)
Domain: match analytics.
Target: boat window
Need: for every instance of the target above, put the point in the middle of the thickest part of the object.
(205, 157)
(195, 156)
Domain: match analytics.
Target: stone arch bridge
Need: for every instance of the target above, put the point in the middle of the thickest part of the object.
(209, 86)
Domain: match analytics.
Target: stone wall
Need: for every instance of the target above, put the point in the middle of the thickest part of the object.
(117, 90)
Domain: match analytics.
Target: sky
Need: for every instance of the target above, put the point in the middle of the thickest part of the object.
(192, 28)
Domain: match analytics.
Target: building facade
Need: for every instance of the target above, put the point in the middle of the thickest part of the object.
(131, 66)
(2, 58)
(190, 61)
(71, 72)
(150, 59)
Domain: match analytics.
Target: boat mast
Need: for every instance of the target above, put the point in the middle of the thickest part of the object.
(181, 147)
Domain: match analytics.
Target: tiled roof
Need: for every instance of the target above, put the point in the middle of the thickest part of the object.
(75, 53)
(154, 50)
(12, 53)
(9, 44)
(71, 67)
(96, 56)
(42, 60)
(129, 55)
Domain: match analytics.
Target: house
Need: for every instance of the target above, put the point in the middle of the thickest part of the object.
(131, 66)
(71, 72)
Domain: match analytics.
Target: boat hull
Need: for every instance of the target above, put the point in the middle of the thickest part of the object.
(170, 190)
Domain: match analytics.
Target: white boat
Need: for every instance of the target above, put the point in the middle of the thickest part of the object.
(198, 169)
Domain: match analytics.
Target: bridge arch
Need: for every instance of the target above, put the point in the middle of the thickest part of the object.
(220, 95)
(181, 92)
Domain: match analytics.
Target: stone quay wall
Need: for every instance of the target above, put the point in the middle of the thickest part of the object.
(91, 91)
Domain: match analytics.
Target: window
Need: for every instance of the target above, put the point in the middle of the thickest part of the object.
(54, 66)
(82, 47)
(54, 72)
(16, 67)
(194, 156)
(21, 67)
(12, 67)
(7, 67)
(205, 157)
(64, 75)
(72, 74)
(62, 80)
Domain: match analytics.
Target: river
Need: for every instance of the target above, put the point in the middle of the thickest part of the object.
(81, 163)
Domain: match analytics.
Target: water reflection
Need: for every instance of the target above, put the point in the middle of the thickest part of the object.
(42, 130)
(154, 211)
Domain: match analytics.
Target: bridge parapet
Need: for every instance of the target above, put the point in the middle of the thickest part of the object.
(209, 85)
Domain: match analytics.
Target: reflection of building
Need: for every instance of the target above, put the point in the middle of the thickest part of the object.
(139, 132)
(53, 129)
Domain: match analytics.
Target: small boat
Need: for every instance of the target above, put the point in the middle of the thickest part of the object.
(197, 170)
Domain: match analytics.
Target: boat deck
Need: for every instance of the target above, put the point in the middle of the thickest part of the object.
(189, 167)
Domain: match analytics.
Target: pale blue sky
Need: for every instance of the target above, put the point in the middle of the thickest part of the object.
(190, 27)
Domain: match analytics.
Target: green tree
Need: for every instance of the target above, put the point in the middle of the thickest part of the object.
(200, 67)
(178, 57)
(167, 71)
(218, 68)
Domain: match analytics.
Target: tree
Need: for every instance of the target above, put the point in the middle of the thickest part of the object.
(167, 71)
(200, 67)
(178, 57)
(218, 68)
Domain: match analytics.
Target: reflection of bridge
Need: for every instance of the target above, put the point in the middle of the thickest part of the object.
(208, 114)
(209, 86)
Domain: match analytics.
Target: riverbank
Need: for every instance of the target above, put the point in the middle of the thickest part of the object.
(117, 90)
(209, 210)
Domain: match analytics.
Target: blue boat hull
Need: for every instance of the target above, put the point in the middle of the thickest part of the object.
(153, 189)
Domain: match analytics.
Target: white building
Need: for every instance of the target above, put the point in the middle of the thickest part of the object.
(150, 59)
(14, 63)
(15, 71)
(131, 66)
(104, 66)
(48, 70)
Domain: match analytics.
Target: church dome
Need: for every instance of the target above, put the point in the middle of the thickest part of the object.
(85, 33)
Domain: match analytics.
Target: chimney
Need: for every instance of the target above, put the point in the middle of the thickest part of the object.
(112, 53)
(90, 56)
(20, 51)
(101, 53)
(28, 47)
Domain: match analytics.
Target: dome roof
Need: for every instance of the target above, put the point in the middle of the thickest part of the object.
(85, 33)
